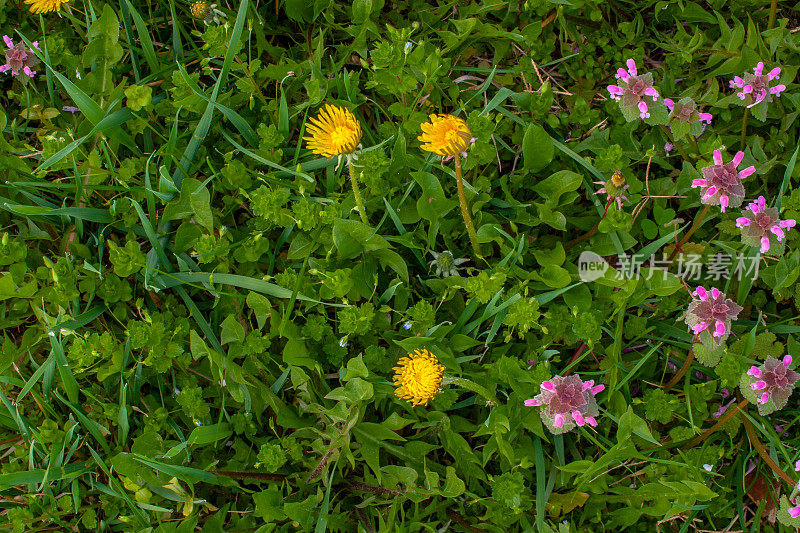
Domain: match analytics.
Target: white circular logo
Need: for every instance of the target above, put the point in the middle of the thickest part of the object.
(591, 266)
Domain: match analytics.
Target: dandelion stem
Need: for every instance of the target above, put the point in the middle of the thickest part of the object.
(773, 8)
(462, 199)
(357, 193)
(744, 127)
(697, 222)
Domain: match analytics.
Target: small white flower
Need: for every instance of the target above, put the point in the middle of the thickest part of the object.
(343, 342)
(708, 467)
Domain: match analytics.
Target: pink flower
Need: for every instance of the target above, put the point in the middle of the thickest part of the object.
(668, 147)
(20, 60)
(722, 408)
(757, 87)
(632, 90)
(567, 402)
(771, 381)
(794, 512)
(710, 315)
(721, 183)
(761, 225)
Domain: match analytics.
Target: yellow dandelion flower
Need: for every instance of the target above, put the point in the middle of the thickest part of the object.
(333, 132)
(445, 135)
(45, 6)
(418, 377)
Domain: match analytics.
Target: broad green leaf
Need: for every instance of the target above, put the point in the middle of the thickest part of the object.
(537, 148)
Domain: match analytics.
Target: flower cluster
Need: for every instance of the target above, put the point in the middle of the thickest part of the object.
(614, 188)
(685, 118)
(20, 60)
(685, 110)
(335, 132)
(721, 183)
(770, 384)
(713, 312)
(774, 378)
(632, 90)
(418, 377)
(757, 87)
(762, 225)
(568, 402)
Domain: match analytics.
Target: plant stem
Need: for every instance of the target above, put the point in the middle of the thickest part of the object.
(676, 144)
(724, 418)
(357, 192)
(695, 146)
(462, 199)
(753, 437)
(592, 231)
(685, 368)
(689, 233)
(773, 8)
(744, 127)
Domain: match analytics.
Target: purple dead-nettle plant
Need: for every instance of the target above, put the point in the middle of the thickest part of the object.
(710, 315)
(20, 60)
(632, 90)
(685, 110)
(685, 118)
(721, 184)
(769, 385)
(758, 87)
(762, 226)
(567, 402)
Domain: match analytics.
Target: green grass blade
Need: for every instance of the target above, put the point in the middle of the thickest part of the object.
(200, 133)
(144, 37)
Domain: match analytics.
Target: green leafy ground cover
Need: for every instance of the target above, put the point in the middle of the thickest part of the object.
(199, 329)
